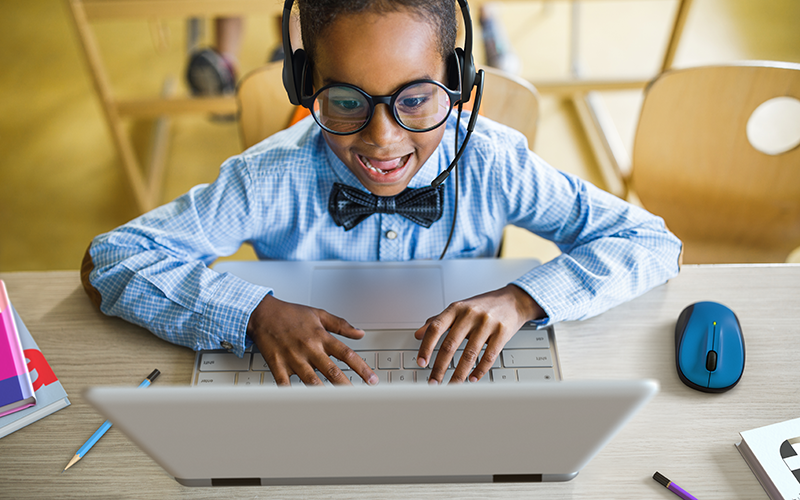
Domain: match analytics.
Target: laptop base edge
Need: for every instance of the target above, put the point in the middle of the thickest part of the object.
(289, 481)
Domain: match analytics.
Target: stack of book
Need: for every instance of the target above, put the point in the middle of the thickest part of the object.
(773, 454)
(29, 390)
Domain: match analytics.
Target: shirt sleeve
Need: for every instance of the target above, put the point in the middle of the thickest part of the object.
(612, 251)
(153, 270)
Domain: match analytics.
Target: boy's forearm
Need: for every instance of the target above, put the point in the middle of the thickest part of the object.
(184, 303)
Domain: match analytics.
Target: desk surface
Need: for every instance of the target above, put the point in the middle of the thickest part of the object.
(686, 435)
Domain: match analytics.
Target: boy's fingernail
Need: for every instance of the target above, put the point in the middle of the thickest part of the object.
(373, 380)
(433, 381)
(473, 379)
(422, 362)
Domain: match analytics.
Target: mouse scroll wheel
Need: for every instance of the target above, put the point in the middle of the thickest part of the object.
(711, 361)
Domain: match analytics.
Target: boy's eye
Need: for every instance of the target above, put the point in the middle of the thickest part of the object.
(411, 103)
(346, 104)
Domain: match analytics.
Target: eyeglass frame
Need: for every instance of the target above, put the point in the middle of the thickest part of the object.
(373, 101)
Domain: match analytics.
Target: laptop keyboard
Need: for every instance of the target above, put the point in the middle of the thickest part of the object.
(527, 357)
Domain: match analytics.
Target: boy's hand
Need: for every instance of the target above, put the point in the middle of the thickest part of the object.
(294, 339)
(488, 320)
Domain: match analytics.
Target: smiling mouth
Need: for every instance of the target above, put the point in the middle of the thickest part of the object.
(384, 167)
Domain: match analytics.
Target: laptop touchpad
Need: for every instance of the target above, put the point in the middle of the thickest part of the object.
(385, 296)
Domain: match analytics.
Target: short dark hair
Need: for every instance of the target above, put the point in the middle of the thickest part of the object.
(317, 15)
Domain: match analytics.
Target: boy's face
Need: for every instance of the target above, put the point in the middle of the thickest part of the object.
(379, 54)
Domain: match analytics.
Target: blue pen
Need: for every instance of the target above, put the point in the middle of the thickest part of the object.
(103, 428)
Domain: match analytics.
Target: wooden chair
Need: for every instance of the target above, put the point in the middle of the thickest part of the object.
(146, 180)
(694, 164)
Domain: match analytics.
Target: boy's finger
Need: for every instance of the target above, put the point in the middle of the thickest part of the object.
(330, 371)
(430, 334)
(494, 345)
(469, 357)
(453, 339)
(308, 375)
(354, 361)
(339, 326)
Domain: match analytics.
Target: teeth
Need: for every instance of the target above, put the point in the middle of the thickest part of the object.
(396, 164)
(369, 165)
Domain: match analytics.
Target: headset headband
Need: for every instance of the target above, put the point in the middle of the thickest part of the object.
(294, 62)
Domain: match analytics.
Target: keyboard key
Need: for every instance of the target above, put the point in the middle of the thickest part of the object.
(368, 357)
(496, 363)
(249, 379)
(529, 339)
(486, 379)
(389, 360)
(426, 375)
(410, 360)
(224, 362)
(216, 378)
(536, 374)
(503, 375)
(401, 377)
(526, 358)
(269, 379)
(383, 376)
(259, 364)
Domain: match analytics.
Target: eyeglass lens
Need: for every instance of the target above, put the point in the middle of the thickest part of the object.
(418, 107)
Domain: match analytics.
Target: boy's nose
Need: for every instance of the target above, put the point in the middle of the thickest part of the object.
(382, 130)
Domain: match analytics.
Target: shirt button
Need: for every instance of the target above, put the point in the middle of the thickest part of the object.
(226, 345)
(391, 234)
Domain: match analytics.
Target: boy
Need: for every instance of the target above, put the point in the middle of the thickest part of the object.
(283, 197)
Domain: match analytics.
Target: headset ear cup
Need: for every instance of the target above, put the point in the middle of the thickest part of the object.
(467, 73)
(288, 80)
(293, 67)
(453, 71)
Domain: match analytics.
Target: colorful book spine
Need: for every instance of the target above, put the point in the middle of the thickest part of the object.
(16, 389)
(50, 394)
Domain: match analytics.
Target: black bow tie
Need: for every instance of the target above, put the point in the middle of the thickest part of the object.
(349, 206)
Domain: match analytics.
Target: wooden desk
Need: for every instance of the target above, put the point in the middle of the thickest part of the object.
(686, 435)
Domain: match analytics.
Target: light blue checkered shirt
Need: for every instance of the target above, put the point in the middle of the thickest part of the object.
(153, 271)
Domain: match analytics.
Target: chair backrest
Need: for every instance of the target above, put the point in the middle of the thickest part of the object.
(694, 164)
(264, 108)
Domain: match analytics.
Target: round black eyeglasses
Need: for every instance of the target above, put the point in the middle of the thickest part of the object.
(418, 106)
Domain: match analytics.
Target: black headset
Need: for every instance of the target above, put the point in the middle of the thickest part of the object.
(461, 66)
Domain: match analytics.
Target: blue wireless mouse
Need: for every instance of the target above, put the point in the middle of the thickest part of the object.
(709, 347)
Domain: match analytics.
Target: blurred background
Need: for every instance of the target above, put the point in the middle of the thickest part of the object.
(61, 180)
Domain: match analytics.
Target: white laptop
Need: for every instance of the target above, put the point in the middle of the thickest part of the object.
(389, 301)
(519, 423)
(227, 436)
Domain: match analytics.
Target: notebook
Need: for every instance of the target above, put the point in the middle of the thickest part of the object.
(389, 301)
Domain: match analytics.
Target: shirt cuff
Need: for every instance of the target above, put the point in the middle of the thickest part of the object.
(224, 323)
(559, 291)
